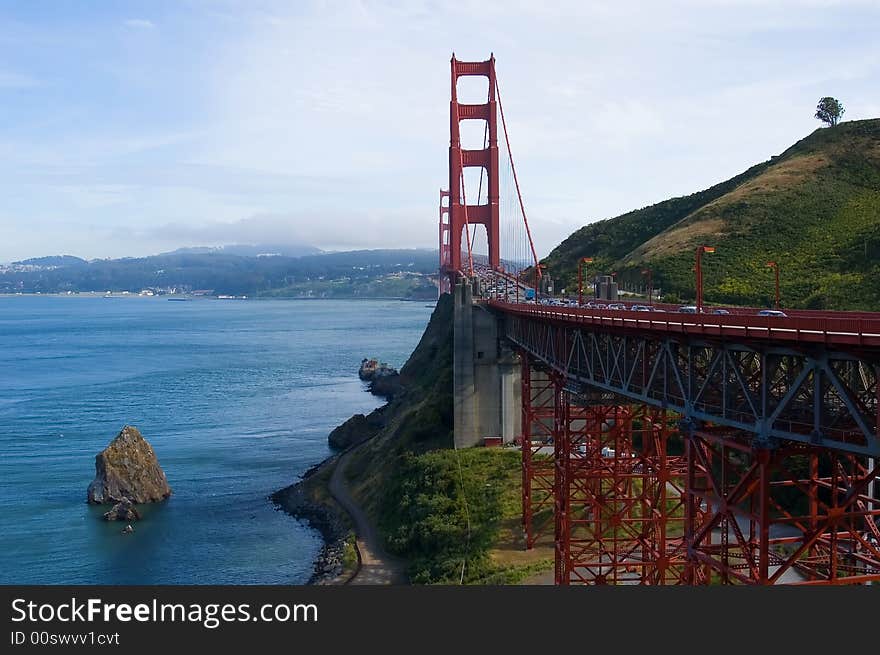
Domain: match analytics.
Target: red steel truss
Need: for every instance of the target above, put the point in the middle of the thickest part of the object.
(538, 426)
(636, 496)
(626, 498)
(791, 514)
(612, 492)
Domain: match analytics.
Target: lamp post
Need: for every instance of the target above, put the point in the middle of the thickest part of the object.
(538, 276)
(775, 267)
(647, 272)
(699, 270)
(583, 260)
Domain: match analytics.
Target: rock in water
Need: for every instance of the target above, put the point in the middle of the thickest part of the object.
(124, 510)
(128, 469)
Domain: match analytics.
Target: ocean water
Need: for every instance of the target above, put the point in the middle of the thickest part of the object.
(236, 397)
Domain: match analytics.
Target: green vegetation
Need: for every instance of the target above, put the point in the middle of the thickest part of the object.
(349, 554)
(442, 511)
(409, 480)
(409, 287)
(354, 274)
(815, 210)
(829, 110)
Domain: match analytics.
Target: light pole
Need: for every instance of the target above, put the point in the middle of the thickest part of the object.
(699, 270)
(775, 267)
(538, 276)
(581, 262)
(647, 272)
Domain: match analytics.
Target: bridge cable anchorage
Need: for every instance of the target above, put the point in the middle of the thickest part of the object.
(516, 183)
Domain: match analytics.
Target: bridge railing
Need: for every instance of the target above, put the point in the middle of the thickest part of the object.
(825, 329)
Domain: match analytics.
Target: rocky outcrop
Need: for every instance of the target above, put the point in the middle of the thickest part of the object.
(384, 380)
(355, 430)
(128, 469)
(124, 510)
(385, 383)
(367, 368)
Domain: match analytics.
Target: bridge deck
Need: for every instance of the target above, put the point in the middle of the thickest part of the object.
(821, 328)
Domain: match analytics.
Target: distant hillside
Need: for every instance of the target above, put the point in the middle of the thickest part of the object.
(361, 274)
(815, 209)
(53, 261)
(244, 250)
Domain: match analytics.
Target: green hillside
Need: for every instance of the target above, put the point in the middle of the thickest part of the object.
(815, 209)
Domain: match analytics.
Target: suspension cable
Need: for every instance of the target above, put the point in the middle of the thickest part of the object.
(516, 182)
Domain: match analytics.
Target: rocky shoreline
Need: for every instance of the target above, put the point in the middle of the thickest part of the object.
(301, 502)
(309, 499)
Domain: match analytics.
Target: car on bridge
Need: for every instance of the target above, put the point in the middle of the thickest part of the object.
(773, 313)
(687, 309)
(640, 308)
(721, 312)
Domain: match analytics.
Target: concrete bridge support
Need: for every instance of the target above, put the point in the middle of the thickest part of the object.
(487, 399)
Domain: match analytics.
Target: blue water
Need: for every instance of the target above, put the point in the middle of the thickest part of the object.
(236, 397)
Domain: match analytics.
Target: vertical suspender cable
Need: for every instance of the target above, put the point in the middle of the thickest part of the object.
(516, 182)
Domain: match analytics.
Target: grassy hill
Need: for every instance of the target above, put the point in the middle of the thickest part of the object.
(815, 209)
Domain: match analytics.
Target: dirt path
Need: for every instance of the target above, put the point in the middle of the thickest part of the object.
(377, 566)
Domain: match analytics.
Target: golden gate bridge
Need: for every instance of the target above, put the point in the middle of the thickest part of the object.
(661, 447)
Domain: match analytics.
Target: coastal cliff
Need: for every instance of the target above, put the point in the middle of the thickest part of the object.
(418, 418)
(451, 515)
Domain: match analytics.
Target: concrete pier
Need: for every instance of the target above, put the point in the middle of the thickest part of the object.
(485, 377)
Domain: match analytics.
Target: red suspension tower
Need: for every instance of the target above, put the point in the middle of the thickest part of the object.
(461, 214)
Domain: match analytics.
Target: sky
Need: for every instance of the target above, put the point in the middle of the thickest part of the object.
(134, 127)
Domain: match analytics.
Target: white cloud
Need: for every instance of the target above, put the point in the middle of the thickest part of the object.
(139, 23)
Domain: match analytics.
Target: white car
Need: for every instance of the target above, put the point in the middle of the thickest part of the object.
(772, 312)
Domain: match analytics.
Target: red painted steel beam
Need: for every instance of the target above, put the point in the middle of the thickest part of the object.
(462, 214)
(842, 332)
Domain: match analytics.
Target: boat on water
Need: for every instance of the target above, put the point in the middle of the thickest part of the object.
(179, 299)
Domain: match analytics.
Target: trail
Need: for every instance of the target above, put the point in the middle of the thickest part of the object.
(377, 567)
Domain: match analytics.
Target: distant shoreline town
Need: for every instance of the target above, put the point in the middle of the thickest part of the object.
(374, 274)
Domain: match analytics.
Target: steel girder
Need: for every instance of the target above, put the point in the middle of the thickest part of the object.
(537, 443)
(624, 499)
(813, 396)
(795, 514)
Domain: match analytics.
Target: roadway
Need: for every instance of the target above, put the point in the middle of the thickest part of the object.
(811, 327)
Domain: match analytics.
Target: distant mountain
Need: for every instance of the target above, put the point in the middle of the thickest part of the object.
(244, 250)
(814, 209)
(54, 261)
(361, 274)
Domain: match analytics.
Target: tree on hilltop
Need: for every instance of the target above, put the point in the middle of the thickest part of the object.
(829, 110)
